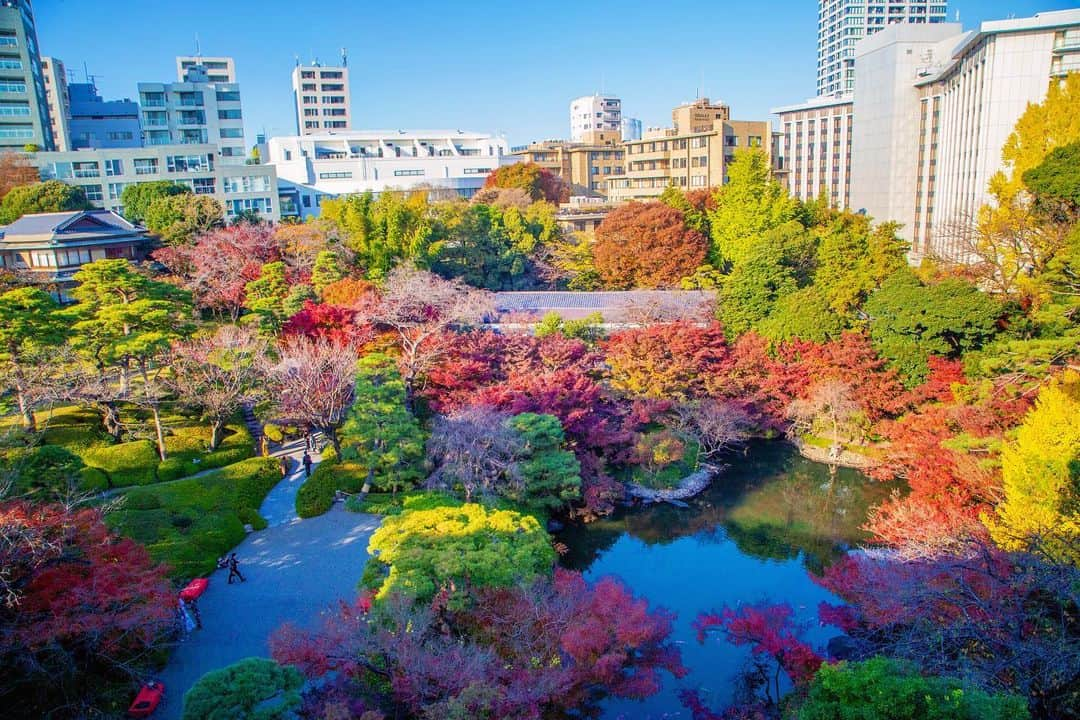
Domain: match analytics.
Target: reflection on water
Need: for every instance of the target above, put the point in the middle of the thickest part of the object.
(751, 537)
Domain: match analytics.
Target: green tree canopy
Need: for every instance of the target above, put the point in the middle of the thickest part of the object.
(44, 197)
(909, 321)
(265, 296)
(854, 257)
(804, 314)
(382, 232)
(179, 219)
(752, 289)
(1057, 177)
(30, 325)
(449, 547)
(550, 474)
(750, 204)
(882, 689)
(379, 433)
(137, 198)
(328, 269)
(250, 689)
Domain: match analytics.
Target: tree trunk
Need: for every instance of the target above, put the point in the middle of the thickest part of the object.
(331, 432)
(28, 422)
(159, 431)
(215, 433)
(110, 420)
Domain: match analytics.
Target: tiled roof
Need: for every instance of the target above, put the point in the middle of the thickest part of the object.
(609, 300)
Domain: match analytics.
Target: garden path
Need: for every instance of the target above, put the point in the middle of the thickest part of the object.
(296, 570)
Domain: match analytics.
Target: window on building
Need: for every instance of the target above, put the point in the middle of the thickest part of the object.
(228, 96)
(155, 117)
(116, 190)
(331, 75)
(15, 109)
(403, 173)
(232, 132)
(332, 87)
(114, 167)
(93, 192)
(307, 74)
(9, 64)
(190, 163)
(229, 115)
(476, 171)
(12, 86)
(120, 135)
(309, 87)
(336, 175)
(86, 169)
(333, 99)
(203, 185)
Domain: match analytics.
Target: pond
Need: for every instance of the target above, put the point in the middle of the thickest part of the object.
(766, 523)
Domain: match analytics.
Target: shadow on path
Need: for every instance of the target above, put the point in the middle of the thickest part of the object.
(296, 570)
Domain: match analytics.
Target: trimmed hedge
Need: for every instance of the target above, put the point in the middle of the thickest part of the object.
(316, 495)
(187, 451)
(389, 504)
(188, 524)
(130, 463)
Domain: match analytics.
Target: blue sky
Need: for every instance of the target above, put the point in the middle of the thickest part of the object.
(510, 67)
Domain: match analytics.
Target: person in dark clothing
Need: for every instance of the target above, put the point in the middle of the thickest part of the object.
(234, 569)
(193, 606)
(307, 464)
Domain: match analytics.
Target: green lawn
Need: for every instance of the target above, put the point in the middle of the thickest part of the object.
(189, 523)
(136, 462)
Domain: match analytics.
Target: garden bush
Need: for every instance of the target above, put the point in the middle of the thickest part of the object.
(130, 463)
(216, 507)
(93, 480)
(316, 495)
(390, 504)
(187, 451)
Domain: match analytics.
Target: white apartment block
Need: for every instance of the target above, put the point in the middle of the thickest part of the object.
(322, 100)
(196, 112)
(104, 173)
(358, 161)
(56, 95)
(842, 23)
(815, 144)
(593, 113)
(933, 111)
(218, 69)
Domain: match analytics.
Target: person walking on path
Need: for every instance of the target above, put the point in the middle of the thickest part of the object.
(307, 464)
(234, 569)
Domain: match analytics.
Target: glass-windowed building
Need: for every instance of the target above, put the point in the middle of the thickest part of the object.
(24, 115)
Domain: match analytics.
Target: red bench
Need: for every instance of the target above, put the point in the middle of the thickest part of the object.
(147, 700)
(194, 589)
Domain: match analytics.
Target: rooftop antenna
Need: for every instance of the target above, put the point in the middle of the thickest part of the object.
(198, 47)
(91, 79)
(702, 77)
(344, 57)
(957, 16)
(297, 56)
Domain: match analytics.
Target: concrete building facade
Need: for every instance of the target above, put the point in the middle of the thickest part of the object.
(97, 123)
(594, 112)
(932, 111)
(24, 113)
(692, 155)
(218, 69)
(104, 173)
(843, 23)
(357, 161)
(196, 112)
(322, 100)
(54, 75)
(585, 165)
(815, 145)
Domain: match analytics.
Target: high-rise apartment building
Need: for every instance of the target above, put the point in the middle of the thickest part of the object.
(24, 114)
(692, 155)
(54, 76)
(194, 111)
(218, 69)
(321, 97)
(592, 113)
(842, 23)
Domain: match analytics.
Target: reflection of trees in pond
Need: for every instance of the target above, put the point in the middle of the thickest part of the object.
(771, 502)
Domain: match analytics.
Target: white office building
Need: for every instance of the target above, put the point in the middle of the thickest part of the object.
(358, 161)
(104, 173)
(218, 69)
(842, 23)
(321, 98)
(593, 113)
(933, 109)
(195, 111)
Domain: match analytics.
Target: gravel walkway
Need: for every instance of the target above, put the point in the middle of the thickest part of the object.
(296, 570)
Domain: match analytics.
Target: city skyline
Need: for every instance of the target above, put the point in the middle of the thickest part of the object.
(527, 60)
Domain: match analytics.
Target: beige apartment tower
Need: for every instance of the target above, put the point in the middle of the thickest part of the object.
(321, 95)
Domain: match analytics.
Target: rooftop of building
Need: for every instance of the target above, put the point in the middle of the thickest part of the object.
(371, 135)
(75, 227)
(815, 103)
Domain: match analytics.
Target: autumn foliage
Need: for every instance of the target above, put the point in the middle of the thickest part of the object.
(647, 245)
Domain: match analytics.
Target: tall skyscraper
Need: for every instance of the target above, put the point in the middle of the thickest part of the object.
(25, 117)
(321, 95)
(842, 23)
(593, 113)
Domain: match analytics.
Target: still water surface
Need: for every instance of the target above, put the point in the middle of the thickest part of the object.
(756, 535)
